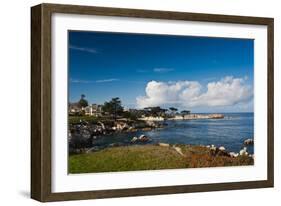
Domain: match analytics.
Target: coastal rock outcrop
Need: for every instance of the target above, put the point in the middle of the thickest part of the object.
(222, 148)
(221, 151)
(218, 151)
(249, 141)
(197, 116)
(151, 118)
(142, 138)
(213, 150)
(243, 151)
(233, 154)
(134, 139)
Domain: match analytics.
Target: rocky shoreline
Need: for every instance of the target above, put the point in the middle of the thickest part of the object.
(184, 117)
(83, 135)
(78, 145)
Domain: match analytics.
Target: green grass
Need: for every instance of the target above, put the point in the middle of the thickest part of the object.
(149, 157)
(76, 119)
(90, 119)
(126, 158)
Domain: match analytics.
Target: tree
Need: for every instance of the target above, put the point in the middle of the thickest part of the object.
(173, 110)
(155, 111)
(185, 112)
(113, 107)
(129, 115)
(83, 102)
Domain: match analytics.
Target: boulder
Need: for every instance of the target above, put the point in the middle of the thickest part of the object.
(243, 151)
(134, 139)
(143, 138)
(213, 147)
(221, 151)
(221, 148)
(233, 154)
(249, 142)
(102, 125)
(213, 150)
(163, 144)
(132, 129)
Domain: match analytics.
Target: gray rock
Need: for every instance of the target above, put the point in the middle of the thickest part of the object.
(249, 142)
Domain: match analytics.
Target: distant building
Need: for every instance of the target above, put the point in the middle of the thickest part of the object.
(93, 110)
(126, 109)
(74, 108)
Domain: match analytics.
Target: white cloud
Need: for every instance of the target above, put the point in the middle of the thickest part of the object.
(163, 70)
(90, 81)
(156, 70)
(89, 50)
(106, 80)
(226, 92)
(80, 81)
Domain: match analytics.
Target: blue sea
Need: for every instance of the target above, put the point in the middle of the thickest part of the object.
(230, 132)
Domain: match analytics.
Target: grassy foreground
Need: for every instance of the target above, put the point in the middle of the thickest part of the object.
(150, 157)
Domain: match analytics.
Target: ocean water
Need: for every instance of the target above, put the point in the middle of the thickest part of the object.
(229, 132)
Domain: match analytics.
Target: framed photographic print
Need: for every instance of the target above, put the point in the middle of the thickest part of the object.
(132, 102)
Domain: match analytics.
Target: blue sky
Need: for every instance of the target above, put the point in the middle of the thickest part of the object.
(197, 73)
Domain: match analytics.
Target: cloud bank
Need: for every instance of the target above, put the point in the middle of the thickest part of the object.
(228, 91)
